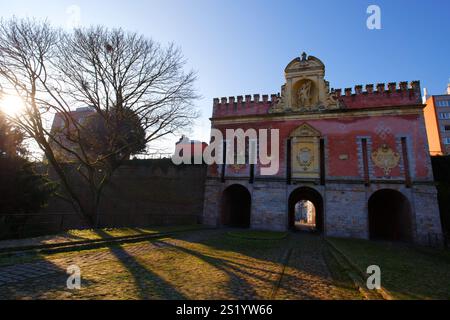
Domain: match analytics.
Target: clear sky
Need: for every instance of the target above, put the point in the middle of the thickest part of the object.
(241, 47)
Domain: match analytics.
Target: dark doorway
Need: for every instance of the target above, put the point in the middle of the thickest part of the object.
(236, 206)
(306, 210)
(389, 216)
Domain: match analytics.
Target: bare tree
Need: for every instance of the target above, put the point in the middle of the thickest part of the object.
(137, 90)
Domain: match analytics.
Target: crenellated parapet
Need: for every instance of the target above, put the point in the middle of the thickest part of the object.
(306, 91)
(243, 105)
(379, 95)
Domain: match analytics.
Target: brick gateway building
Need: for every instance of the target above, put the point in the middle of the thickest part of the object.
(360, 157)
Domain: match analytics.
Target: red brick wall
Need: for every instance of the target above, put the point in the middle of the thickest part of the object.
(341, 138)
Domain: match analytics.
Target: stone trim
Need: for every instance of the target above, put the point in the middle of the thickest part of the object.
(371, 112)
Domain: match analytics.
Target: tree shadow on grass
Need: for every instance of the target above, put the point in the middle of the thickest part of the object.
(238, 286)
(148, 283)
(306, 265)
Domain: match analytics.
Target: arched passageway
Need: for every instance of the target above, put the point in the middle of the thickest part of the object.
(306, 210)
(236, 207)
(389, 216)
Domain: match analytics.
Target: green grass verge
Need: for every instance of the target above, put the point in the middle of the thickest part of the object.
(106, 233)
(257, 235)
(407, 271)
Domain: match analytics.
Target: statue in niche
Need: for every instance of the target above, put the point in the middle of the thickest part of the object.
(304, 95)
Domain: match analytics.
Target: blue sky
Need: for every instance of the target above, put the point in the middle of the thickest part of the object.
(241, 47)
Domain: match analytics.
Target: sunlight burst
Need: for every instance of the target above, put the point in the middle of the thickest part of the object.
(12, 105)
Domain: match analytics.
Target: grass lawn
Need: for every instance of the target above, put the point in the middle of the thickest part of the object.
(258, 235)
(94, 234)
(407, 271)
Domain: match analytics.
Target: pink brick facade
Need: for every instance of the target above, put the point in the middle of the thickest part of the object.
(351, 129)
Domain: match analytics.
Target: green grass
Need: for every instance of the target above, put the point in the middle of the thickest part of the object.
(407, 271)
(96, 234)
(258, 235)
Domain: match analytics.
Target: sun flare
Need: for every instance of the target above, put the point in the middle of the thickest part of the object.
(12, 105)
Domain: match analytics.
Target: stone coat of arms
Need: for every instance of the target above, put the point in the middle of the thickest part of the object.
(305, 157)
(386, 158)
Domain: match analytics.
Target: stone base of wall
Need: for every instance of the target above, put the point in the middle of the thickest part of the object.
(345, 207)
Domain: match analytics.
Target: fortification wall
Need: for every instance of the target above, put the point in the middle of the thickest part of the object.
(141, 193)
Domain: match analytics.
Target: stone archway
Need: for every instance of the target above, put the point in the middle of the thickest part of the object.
(390, 216)
(306, 194)
(236, 207)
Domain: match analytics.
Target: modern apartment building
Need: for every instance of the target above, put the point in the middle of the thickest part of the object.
(437, 121)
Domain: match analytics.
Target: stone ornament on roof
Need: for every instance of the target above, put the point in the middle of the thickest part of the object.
(305, 89)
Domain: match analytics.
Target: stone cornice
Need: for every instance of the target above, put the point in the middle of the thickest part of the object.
(330, 114)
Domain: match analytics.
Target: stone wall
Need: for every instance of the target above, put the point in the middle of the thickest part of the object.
(345, 207)
(428, 224)
(141, 193)
(346, 211)
(269, 208)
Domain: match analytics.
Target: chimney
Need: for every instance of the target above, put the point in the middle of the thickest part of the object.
(425, 96)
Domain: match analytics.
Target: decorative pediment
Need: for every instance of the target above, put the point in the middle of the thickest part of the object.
(305, 89)
(305, 130)
(304, 63)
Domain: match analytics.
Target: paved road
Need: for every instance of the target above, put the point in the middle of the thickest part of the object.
(196, 265)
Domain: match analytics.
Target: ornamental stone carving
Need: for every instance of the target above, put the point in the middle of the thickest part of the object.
(305, 158)
(305, 89)
(386, 158)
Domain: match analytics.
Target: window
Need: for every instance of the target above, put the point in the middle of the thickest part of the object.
(443, 103)
(446, 128)
(444, 115)
(446, 140)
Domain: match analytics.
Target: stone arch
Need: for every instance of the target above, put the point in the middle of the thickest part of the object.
(390, 216)
(309, 194)
(236, 206)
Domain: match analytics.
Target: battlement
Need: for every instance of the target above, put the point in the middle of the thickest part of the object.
(257, 98)
(380, 95)
(243, 105)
